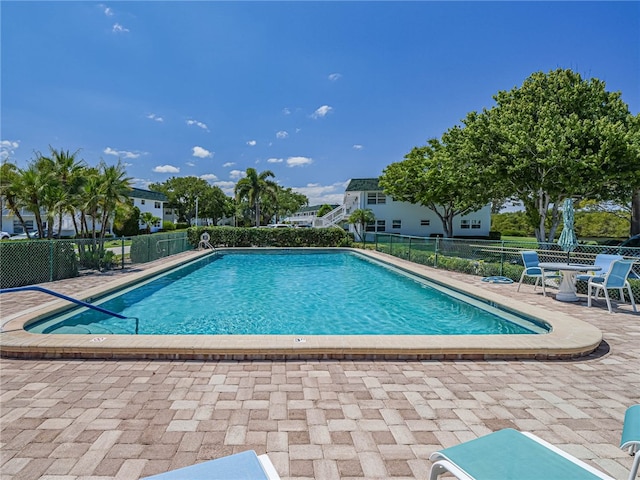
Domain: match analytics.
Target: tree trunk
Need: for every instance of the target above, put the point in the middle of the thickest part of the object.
(635, 213)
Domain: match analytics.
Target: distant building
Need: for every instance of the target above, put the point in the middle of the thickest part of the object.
(395, 216)
(148, 201)
(145, 200)
(307, 215)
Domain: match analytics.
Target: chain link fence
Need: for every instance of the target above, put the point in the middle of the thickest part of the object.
(496, 257)
(29, 262)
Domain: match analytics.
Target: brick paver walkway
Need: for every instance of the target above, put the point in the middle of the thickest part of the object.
(78, 419)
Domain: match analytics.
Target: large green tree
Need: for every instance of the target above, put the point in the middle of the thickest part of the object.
(285, 202)
(557, 136)
(184, 192)
(255, 188)
(442, 176)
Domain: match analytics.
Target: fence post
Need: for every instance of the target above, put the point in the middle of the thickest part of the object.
(390, 244)
(409, 255)
(51, 260)
(501, 257)
(435, 258)
(122, 252)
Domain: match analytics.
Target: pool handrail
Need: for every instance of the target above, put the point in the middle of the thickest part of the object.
(69, 299)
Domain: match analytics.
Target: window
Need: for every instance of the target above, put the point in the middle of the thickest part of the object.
(476, 223)
(425, 223)
(17, 226)
(396, 224)
(464, 224)
(377, 226)
(156, 205)
(142, 202)
(376, 198)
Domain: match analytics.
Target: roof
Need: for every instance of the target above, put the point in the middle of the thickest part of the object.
(363, 185)
(148, 195)
(314, 208)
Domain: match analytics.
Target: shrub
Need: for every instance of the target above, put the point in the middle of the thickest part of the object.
(272, 237)
(168, 225)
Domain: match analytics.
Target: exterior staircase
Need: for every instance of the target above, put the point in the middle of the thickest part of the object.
(335, 216)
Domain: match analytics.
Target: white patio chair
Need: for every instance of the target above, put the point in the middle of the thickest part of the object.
(615, 279)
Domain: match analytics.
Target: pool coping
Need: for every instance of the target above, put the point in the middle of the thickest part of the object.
(569, 337)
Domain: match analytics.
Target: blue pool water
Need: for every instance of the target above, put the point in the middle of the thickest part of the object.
(287, 292)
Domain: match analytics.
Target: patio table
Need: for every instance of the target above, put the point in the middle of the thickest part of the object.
(567, 288)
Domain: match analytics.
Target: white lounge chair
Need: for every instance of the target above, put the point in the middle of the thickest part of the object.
(241, 466)
(531, 269)
(615, 279)
(602, 260)
(510, 454)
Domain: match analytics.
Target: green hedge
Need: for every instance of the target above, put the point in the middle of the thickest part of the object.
(30, 262)
(272, 237)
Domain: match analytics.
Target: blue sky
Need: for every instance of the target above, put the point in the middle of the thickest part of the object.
(317, 92)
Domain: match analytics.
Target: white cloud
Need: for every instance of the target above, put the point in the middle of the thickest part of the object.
(117, 28)
(299, 161)
(357, 146)
(106, 10)
(198, 124)
(153, 116)
(209, 177)
(282, 134)
(121, 153)
(321, 194)
(335, 76)
(275, 160)
(286, 111)
(202, 152)
(7, 148)
(141, 183)
(321, 111)
(226, 186)
(166, 169)
(252, 143)
(228, 164)
(190, 164)
(237, 174)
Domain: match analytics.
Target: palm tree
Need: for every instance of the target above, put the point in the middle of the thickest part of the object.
(361, 217)
(10, 191)
(36, 185)
(255, 187)
(149, 219)
(69, 173)
(114, 190)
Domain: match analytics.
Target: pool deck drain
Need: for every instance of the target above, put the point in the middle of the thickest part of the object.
(570, 337)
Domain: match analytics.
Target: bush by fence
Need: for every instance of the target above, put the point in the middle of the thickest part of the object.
(272, 237)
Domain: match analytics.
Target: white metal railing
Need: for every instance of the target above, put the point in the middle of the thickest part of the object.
(331, 218)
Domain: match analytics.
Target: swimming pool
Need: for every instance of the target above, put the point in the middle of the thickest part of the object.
(568, 337)
(290, 292)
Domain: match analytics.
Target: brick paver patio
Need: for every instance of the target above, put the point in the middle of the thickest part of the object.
(80, 419)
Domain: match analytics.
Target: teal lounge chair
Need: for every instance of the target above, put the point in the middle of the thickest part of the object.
(615, 279)
(241, 466)
(510, 454)
(602, 260)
